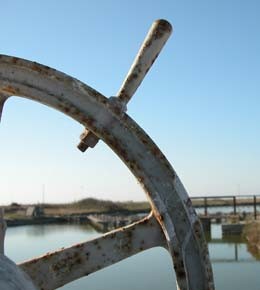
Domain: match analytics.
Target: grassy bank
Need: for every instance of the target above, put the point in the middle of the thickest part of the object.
(84, 206)
(252, 235)
(93, 205)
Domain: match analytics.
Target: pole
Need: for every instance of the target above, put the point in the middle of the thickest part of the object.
(255, 212)
(205, 206)
(234, 205)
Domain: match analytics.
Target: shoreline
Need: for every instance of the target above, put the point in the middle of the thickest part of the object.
(252, 235)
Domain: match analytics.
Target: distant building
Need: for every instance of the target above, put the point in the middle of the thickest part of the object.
(34, 211)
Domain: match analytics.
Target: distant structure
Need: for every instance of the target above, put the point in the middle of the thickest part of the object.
(34, 211)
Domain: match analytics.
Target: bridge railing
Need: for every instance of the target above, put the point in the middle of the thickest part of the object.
(238, 204)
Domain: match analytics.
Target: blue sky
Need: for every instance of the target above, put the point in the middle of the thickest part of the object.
(199, 102)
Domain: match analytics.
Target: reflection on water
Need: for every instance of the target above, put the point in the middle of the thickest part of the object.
(234, 267)
(227, 249)
(34, 231)
(38, 239)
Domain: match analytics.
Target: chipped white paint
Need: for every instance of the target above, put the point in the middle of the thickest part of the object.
(56, 269)
(170, 203)
(147, 54)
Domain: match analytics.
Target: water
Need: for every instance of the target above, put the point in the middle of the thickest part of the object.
(234, 267)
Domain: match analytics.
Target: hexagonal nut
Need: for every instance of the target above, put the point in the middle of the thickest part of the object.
(88, 139)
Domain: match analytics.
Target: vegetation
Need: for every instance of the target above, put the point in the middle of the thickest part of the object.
(252, 235)
(84, 206)
(93, 205)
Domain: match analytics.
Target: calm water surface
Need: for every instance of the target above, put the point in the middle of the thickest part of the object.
(234, 267)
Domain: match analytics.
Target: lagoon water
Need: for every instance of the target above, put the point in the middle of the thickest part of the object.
(233, 266)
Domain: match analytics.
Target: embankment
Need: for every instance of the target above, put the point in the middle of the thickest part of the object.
(251, 233)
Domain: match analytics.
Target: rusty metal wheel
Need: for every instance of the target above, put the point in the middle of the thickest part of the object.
(172, 224)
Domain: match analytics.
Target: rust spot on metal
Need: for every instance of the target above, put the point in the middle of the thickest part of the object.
(9, 90)
(36, 67)
(176, 254)
(14, 60)
(163, 26)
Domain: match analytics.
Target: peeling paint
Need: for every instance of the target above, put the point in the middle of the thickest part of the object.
(173, 223)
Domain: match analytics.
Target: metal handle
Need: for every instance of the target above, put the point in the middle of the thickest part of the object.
(147, 54)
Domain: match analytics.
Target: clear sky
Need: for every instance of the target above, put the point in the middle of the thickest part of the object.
(200, 101)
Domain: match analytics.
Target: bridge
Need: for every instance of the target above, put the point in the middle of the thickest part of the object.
(224, 202)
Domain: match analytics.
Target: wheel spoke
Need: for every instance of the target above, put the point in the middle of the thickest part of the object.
(58, 268)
